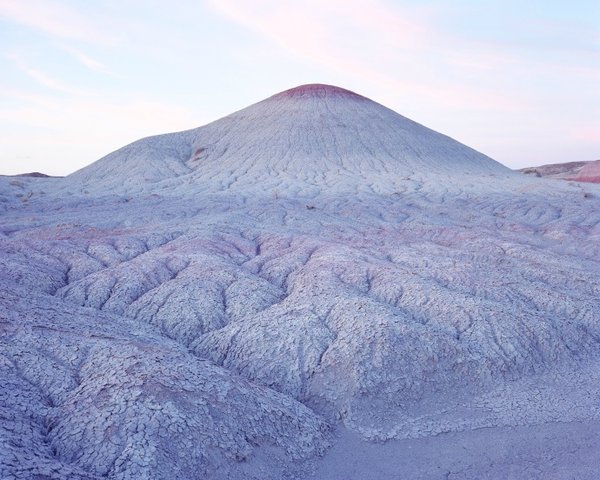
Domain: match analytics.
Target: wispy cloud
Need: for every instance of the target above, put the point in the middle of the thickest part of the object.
(399, 48)
(55, 19)
(86, 60)
(46, 80)
(312, 28)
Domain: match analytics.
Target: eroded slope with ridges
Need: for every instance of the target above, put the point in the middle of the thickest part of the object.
(90, 395)
(306, 140)
(389, 313)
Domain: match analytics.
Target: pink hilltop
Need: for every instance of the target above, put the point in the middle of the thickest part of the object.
(589, 173)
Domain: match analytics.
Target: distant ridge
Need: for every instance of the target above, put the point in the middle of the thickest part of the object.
(589, 173)
(586, 171)
(35, 175)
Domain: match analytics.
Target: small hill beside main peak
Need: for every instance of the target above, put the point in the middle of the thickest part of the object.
(585, 171)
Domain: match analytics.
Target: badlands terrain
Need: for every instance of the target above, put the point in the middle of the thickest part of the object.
(314, 287)
(577, 171)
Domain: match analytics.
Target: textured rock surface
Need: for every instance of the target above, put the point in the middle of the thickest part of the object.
(590, 172)
(576, 171)
(195, 327)
(296, 142)
(555, 170)
(90, 395)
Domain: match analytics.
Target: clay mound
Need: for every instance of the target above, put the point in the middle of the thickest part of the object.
(313, 137)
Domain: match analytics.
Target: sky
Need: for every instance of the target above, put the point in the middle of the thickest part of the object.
(518, 81)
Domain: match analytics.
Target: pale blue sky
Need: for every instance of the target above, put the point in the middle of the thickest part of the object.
(517, 80)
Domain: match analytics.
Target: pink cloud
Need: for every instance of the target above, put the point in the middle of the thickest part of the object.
(311, 28)
(587, 134)
(397, 48)
(55, 19)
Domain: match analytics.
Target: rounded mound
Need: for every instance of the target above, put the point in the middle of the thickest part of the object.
(304, 141)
